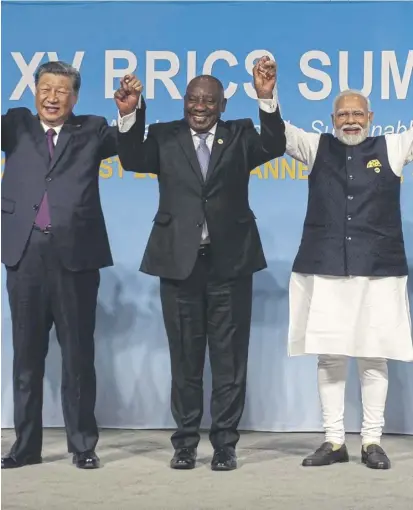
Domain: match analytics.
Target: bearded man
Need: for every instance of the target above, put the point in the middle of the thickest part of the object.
(348, 288)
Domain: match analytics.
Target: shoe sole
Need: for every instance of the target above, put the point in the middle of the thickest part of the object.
(311, 464)
(378, 466)
(183, 467)
(216, 468)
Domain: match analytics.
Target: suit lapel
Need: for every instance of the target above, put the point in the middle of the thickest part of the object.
(63, 139)
(183, 134)
(221, 142)
(39, 136)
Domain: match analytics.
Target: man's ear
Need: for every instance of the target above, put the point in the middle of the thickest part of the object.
(223, 105)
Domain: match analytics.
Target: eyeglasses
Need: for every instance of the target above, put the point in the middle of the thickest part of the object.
(345, 114)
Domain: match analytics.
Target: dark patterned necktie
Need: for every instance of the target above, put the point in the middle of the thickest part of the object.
(43, 214)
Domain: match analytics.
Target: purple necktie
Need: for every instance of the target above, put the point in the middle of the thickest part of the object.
(43, 214)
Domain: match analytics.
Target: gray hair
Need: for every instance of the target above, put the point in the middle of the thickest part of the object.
(60, 68)
(351, 92)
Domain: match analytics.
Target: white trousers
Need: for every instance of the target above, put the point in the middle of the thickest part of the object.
(332, 375)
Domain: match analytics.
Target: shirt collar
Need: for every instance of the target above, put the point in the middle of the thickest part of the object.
(211, 131)
(56, 128)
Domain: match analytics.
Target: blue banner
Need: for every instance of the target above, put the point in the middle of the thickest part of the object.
(166, 44)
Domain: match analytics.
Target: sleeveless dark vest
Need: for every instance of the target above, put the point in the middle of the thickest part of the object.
(353, 224)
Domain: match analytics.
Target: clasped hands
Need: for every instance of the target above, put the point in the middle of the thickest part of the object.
(128, 94)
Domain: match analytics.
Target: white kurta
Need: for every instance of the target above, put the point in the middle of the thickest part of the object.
(349, 316)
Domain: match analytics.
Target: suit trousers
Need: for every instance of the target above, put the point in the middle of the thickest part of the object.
(41, 293)
(206, 309)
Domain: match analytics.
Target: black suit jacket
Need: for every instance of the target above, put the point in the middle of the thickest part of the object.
(186, 200)
(71, 180)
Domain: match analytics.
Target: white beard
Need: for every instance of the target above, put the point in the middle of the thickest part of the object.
(352, 139)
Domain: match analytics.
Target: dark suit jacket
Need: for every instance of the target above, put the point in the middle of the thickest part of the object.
(71, 180)
(186, 200)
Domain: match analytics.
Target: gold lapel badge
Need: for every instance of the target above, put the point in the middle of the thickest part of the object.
(374, 163)
(220, 141)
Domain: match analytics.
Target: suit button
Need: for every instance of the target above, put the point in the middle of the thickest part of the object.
(48, 179)
(351, 177)
(35, 207)
(349, 157)
(199, 224)
(350, 197)
(348, 238)
(349, 217)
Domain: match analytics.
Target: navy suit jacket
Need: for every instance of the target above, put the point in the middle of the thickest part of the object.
(72, 182)
(186, 199)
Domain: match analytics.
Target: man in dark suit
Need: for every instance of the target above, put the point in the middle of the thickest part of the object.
(204, 246)
(54, 242)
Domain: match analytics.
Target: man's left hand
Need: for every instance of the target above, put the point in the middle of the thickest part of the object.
(265, 76)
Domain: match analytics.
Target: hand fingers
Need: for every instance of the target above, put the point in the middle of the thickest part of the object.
(265, 64)
(135, 85)
(126, 81)
(267, 69)
(120, 94)
(263, 60)
(268, 64)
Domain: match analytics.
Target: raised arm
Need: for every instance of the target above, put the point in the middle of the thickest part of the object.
(7, 131)
(400, 150)
(300, 144)
(108, 140)
(270, 143)
(135, 153)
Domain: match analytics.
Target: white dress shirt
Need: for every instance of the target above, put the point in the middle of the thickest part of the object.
(56, 128)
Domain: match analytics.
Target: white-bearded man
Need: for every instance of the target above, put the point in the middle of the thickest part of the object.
(348, 288)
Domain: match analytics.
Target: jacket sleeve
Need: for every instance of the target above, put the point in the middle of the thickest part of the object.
(270, 143)
(135, 153)
(108, 140)
(8, 131)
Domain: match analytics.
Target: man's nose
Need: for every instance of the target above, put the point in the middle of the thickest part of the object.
(200, 106)
(52, 97)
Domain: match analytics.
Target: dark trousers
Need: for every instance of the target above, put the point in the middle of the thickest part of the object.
(205, 308)
(42, 293)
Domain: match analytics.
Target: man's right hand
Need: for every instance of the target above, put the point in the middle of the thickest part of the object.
(128, 94)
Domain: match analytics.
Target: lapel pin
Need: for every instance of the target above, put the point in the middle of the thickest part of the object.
(377, 170)
(220, 141)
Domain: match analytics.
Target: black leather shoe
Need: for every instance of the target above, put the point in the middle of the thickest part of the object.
(224, 459)
(184, 458)
(374, 457)
(325, 456)
(9, 462)
(86, 460)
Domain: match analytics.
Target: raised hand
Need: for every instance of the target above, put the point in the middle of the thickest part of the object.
(128, 94)
(265, 76)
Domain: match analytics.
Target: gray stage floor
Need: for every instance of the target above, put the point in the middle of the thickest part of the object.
(135, 475)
